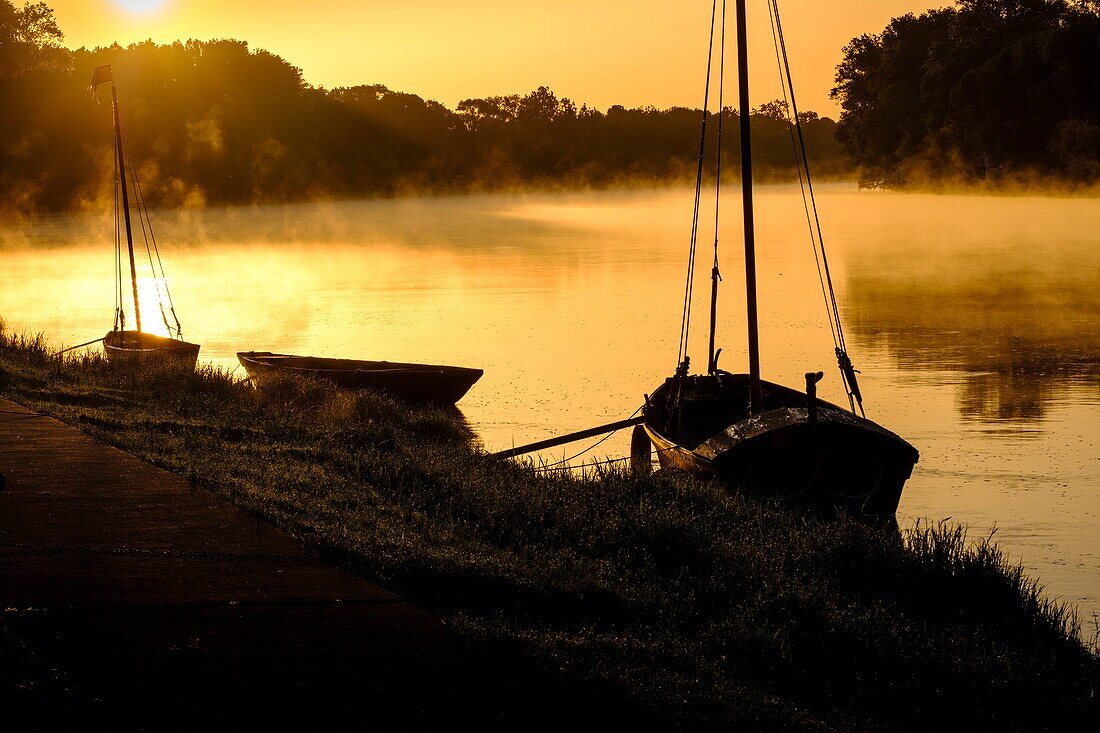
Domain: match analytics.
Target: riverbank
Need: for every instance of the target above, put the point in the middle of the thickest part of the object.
(127, 595)
(709, 610)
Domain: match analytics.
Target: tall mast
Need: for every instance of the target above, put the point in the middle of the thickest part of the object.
(125, 204)
(746, 191)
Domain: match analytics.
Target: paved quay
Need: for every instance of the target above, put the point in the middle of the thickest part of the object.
(133, 600)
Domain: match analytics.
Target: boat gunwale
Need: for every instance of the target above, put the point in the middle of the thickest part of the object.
(417, 383)
(265, 357)
(162, 345)
(829, 415)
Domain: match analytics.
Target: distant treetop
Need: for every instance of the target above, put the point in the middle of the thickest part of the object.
(219, 122)
(988, 90)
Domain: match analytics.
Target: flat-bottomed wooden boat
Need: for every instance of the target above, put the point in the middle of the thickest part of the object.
(421, 383)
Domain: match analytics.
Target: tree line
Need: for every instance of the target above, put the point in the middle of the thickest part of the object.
(217, 122)
(987, 90)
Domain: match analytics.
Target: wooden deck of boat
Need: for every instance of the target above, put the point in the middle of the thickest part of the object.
(129, 597)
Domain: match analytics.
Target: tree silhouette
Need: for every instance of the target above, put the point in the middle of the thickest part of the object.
(987, 90)
(29, 39)
(219, 122)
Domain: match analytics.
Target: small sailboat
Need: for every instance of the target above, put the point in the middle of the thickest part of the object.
(121, 344)
(753, 435)
(418, 383)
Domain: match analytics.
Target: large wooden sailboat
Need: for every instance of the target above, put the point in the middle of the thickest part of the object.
(757, 436)
(121, 344)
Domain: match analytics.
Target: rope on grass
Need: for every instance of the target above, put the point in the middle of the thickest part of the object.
(80, 346)
(594, 464)
(589, 448)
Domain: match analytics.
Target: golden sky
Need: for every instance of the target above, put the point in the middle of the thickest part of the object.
(603, 52)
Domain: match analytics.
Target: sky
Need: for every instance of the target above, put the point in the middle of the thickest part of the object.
(600, 52)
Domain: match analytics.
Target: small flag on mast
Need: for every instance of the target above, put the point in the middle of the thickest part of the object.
(101, 75)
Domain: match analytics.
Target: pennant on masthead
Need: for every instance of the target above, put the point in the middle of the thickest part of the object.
(101, 75)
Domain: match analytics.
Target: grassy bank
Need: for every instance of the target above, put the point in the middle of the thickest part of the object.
(703, 609)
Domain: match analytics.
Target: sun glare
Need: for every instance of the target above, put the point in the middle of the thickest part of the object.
(151, 319)
(140, 6)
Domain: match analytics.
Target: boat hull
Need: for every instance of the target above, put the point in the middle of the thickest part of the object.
(138, 346)
(418, 383)
(834, 459)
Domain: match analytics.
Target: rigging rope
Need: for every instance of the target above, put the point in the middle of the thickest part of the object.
(685, 323)
(120, 314)
(801, 179)
(844, 363)
(715, 273)
(149, 236)
(721, 97)
(145, 238)
(160, 263)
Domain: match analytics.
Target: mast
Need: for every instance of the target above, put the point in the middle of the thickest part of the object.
(756, 399)
(125, 203)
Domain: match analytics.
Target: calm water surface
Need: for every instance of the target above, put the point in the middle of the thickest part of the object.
(975, 321)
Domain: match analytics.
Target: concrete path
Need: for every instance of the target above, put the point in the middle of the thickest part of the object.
(133, 600)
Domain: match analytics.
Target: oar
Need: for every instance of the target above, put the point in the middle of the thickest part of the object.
(571, 437)
(79, 346)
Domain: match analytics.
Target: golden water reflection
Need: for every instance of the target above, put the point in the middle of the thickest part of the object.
(1020, 348)
(975, 321)
(1001, 290)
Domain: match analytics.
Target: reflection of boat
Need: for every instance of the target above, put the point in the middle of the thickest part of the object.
(758, 436)
(429, 383)
(137, 345)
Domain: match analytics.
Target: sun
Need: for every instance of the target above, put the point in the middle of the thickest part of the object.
(140, 6)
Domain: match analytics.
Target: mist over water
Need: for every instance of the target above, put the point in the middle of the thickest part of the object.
(975, 321)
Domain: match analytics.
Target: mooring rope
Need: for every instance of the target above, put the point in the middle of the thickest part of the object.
(555, 467)
(591, 447)
(593, 464)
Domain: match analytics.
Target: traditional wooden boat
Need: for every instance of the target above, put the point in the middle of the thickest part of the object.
(121, 345)
(137, 345)
(757, 436)
(792, 449)
(420, 383)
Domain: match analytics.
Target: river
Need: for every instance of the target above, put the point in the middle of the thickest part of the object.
(975, 321)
